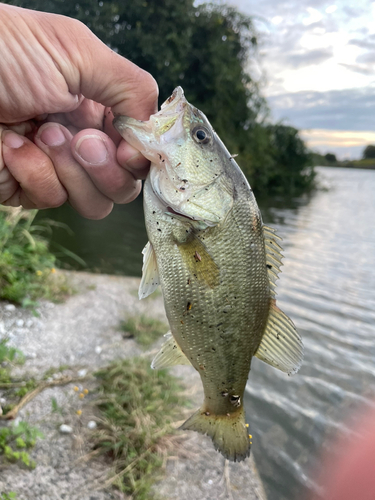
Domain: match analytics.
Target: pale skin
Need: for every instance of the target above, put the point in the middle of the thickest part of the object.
(59, 89)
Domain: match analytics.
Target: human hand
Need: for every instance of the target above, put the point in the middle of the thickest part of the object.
(58, 84)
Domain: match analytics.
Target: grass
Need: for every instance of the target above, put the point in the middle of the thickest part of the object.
(15, 440)
(8, 356)
(137, 406)
(10, 495)
(27, 267)
(143, 329)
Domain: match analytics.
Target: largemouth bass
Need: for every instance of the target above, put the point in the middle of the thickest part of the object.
(216, 263)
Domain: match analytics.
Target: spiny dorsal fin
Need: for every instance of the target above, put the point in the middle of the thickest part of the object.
(170, 354)
(273, 256)
(281, 345)
(150, 274)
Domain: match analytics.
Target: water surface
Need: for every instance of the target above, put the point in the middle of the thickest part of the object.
(327, 287)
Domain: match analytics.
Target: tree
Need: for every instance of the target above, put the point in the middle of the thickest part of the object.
(330, 157)
(369, 151)
(208, 50)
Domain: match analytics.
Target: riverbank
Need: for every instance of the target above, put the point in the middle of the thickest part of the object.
(76, 338)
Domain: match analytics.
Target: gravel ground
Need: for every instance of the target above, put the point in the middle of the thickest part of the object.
(81, 335)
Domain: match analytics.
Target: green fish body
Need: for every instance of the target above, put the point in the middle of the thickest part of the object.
(216, 263)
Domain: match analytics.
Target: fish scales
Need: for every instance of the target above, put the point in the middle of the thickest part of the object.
(221, 316)
(216, 263)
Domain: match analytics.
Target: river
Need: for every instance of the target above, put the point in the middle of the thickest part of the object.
(327, 287)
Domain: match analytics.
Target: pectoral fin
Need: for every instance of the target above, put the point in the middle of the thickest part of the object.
(281, 345)
(170, 354)
(150, 274)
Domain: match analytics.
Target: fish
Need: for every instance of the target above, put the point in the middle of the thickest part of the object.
(217, 265)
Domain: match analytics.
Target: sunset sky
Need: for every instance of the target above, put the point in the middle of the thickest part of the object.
(318, 60)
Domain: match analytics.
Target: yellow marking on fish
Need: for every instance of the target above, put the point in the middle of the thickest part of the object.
(199, 262)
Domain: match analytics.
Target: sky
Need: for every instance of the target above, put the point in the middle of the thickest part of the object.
(318, 62)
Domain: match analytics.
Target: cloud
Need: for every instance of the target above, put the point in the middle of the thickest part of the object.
(369, 43)
(348, 109)
(358, 69)
(344, 143)
(308, 57)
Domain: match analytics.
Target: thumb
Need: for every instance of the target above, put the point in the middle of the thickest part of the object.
(98, 73)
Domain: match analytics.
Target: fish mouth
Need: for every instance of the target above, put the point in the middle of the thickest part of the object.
(175, 99)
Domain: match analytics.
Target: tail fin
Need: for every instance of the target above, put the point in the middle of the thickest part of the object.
(229, 433)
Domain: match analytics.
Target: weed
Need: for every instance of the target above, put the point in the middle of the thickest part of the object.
(137, 407)
(143, 329)
(27, 267)
(8, 355)
(11, 495)
(15, 440)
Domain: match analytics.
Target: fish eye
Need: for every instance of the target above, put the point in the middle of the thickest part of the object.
(201, 135)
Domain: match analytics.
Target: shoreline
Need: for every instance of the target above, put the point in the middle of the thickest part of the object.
(83, 334)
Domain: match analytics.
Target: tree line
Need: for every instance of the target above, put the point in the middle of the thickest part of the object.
(209, 50)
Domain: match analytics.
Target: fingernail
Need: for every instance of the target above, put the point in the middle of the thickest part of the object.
(12, 140)
(138, 162)
(92, 149)
(52, 136)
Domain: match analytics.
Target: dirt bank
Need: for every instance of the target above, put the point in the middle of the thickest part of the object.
(83, 334)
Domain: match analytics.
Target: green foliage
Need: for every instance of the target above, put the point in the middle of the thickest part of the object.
(8, 356)
(15, 439)
(143, 329)
(11, 495)
(330, 157)
(27, 270)
(137, 407)
(210, 50)
(369, 152)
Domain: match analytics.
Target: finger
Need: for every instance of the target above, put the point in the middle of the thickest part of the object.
(8, 184)
(131, 159)
(119, 83)
(97, 155)
(83, 195)
(89, 114)
(33, 171)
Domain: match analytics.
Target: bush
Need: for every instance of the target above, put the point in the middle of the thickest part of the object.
(27, 267)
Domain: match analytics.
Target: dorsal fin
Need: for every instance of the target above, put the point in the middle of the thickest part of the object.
(281, 346)
(273, 256)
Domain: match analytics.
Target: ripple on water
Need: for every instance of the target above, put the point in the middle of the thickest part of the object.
(327, 288)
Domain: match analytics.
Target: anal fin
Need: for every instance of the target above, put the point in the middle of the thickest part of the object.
(281, 345)
(170, 354)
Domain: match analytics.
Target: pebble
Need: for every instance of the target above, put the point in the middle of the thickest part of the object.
(2, 401)
(98, 349)
(29, 323)
(10, 307)
(91, 424)
(20, 323)
(65, 429)
(82, 373)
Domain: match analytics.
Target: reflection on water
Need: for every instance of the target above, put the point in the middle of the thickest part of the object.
(327, 287)
(112, 245)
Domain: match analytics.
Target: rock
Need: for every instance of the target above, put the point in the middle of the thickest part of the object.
(20, 323)
(82, 373)
(10, 307)
(65, 429)
(98, 349)
(91, 424)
